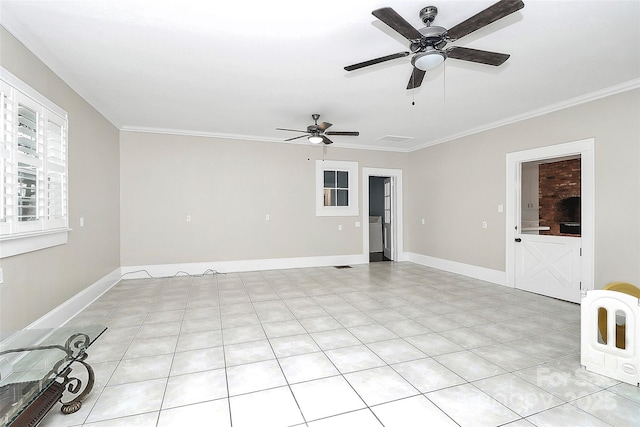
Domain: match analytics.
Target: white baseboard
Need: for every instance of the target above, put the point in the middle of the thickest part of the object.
(480, 273)
(74, 305)
(168, 270)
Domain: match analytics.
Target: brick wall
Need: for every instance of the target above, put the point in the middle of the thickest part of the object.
(558, 181)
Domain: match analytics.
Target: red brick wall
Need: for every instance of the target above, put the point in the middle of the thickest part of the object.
(557, 181)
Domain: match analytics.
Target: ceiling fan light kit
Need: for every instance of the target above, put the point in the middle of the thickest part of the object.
(428, 45)
(428, 60)
(315, 139)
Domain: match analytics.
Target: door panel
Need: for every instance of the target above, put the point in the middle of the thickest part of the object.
(387, 220)
(549, 265)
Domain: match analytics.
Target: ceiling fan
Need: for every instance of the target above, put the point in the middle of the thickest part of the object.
(317, 132)
(427, 45)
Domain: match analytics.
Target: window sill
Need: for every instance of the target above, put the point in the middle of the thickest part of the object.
(337, 211)
(29, 242)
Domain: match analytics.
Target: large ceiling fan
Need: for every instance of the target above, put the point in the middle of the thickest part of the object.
(427, 45)
(317, 132)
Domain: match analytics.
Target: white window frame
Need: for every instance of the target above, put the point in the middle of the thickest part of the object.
(334, 165)
(51, 163)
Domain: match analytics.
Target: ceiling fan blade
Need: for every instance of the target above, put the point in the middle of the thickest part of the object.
(492, 13)
(295, 137)
(292, 130)
(323, 126)
(326, 140)
(376, 61)
(475, 55)
(397, 23)
(343, 133)
(416, 78)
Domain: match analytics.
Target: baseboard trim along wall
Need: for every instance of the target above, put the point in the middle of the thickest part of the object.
(480, 273)
(196, 268)
(74, 305)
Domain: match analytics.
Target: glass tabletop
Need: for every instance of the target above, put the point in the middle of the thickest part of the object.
(31, 359)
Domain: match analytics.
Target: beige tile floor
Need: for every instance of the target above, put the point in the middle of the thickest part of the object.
(385, 344)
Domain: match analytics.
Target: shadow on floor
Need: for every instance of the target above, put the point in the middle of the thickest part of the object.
(377, 257)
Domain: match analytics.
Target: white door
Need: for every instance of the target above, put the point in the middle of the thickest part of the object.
(387, 229)
(545, 264)
(554, 265)
(549, 265)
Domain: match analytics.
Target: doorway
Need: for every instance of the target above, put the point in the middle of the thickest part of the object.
(550, 228)
(380, 229)
(382, 214)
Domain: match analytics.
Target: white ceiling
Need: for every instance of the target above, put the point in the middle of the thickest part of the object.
(242, 68)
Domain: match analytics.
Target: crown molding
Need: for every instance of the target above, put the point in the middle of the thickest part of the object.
(572, 102)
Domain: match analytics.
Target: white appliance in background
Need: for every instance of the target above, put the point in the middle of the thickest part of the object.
(375, 234)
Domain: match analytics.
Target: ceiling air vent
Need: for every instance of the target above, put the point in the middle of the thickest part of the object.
(395, 139)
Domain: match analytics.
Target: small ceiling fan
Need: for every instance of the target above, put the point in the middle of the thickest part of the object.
(317, 132)
(427, 45)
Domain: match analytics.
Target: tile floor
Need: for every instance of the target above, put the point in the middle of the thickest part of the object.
(385, 344)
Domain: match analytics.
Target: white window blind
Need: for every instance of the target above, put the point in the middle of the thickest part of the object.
(33, 169)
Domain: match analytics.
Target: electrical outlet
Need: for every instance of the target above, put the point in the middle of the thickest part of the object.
(340, 228)
(267, 217)
(357, 224)
(188, 218)
(422, 221)
(484, 224)
(81, 221)
(500, 208)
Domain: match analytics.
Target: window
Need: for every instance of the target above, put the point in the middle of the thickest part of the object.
(33, 169)
(336, 188)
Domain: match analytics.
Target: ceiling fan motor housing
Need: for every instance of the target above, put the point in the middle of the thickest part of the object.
(431, 37)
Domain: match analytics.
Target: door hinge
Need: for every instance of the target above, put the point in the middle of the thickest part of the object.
(580, 251)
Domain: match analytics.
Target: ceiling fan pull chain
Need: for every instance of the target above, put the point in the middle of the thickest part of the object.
(444, 83)
(413, 90)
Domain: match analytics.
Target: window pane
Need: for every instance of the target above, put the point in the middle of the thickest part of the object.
(343, 197)
(329, 197)
(343, 179)
(27, 131)
(27, 201)
(329, 179)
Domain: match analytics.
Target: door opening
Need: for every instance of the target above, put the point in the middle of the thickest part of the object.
(382, 214)
(380, 230)
(550, 220)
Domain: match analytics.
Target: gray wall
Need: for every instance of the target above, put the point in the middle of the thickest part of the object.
(457, 185)
(37, 282)
(228, 186)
